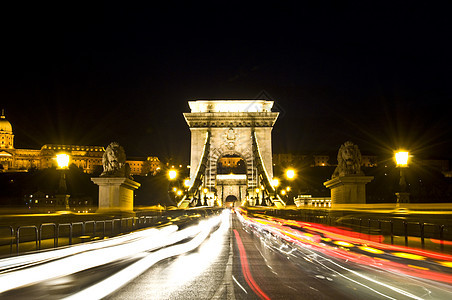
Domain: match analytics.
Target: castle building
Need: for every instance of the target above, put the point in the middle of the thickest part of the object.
(229, 161)
(88, 158)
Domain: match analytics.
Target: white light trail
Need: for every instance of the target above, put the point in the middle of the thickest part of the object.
(39, 267)
(88, 256)
(120, 279)
(28, 259)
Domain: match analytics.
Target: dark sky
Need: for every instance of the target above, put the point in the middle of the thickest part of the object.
(82, 73)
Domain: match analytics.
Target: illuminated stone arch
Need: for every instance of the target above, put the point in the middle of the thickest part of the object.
(231, 124)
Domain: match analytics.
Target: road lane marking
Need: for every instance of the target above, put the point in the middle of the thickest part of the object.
(235, 280)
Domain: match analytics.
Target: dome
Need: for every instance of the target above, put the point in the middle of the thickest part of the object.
(5, 125)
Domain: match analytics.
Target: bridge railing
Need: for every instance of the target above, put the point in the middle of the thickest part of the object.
(19, 239)
(389, 230)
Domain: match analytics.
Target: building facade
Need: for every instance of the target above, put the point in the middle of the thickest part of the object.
(88, 158)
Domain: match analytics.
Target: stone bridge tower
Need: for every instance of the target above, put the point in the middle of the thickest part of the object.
(231, 125)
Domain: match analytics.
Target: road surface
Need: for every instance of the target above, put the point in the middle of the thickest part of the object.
(231, 256)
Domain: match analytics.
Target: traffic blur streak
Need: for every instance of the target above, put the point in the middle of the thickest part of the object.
(351, 252)
(204, 273)
(30, 269)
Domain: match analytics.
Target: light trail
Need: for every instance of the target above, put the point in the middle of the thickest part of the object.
(33, 258)
(118, 280)
(333, 241)
(246, 269)
(317, 239)
(30, 269)
(86, 257)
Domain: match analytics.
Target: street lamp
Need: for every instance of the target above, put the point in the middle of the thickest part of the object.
(401, 158)
(290, 174)
(187, 182)
(204, 197)
(62, 160)
(62, 198)
(172, 174)
(275, 184)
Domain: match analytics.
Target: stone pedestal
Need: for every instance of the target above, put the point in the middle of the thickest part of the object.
(348, 189)
(115, 193)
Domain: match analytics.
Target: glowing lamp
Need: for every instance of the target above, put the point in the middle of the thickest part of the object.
(257, 190)
(187, 182)
(275, 182)
(179, 192)
(283, 192)
(172, 174)
(62, 160)
(290, 174)
(401, 158)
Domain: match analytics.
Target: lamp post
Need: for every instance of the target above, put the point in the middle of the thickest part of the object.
(172, 175)
(187, 183)
(401, 158)
(62, 195)
(257, 196)
(275, 184)
(204, 197)
(290, 175)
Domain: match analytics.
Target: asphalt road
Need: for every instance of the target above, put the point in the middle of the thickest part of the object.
(234, 256)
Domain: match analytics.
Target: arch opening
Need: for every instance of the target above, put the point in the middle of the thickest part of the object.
(231, 198)
(230, 201)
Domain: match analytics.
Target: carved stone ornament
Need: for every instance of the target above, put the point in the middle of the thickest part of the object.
(349, 160)
(230, 137)
(114, 162)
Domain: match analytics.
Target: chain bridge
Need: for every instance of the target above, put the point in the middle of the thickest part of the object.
(239, 129)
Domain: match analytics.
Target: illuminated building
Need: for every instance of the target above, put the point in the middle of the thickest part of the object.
(321, 160)
(88, 158)
(229, 161)
(309, 201)
(6, 132)
(143, 166)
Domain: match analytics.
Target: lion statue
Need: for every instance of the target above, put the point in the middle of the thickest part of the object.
(114, 162)
(349, 160)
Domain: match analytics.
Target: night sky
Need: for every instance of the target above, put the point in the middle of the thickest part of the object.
(82, 73)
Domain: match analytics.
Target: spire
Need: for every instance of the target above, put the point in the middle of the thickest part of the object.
(3, 113)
